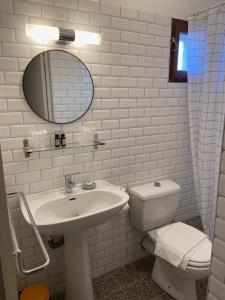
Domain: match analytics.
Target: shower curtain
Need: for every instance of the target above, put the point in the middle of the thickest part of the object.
(206, 97)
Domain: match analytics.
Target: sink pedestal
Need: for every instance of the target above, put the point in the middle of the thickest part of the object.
(78, 275)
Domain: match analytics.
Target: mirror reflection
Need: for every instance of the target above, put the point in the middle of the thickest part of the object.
(58, 86)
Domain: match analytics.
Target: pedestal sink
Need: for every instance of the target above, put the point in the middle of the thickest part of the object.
(59, 213)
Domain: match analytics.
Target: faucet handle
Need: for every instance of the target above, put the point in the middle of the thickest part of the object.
(68, 177)
(69, 182)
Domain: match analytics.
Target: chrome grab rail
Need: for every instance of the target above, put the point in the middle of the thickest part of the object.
(17, 252)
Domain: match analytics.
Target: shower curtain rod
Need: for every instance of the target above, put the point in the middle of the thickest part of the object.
(205, 10)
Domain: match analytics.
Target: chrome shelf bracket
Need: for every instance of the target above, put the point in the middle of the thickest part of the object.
(97, 142)
(27, 149)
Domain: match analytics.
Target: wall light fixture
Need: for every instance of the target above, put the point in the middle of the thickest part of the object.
(44, 34)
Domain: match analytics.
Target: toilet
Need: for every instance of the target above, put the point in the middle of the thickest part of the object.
(153, 206)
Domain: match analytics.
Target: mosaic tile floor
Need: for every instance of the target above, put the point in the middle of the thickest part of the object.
(134, 282)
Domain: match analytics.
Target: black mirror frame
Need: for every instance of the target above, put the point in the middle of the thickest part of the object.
(93, 91)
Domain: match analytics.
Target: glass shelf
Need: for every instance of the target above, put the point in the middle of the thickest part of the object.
(29, 150)
(51, 147)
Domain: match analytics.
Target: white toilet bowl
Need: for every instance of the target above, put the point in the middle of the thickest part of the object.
(179, 283)
(153, 206)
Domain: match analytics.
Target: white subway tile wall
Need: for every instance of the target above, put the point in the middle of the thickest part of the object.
(216, 281)
(142, 118)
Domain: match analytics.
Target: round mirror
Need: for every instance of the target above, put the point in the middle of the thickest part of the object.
(58, 86)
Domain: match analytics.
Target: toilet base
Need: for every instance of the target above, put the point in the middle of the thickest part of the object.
(173, 281)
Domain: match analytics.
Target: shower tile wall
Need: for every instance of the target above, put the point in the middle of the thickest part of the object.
(216, 281)
(142, 118)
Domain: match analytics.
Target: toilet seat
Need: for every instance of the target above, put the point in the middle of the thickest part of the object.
(201, 257)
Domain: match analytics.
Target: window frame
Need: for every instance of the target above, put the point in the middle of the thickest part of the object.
(178, 26)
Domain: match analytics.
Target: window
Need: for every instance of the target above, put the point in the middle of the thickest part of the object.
(178, 51)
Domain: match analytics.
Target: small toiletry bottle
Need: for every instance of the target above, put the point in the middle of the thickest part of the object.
(63, 139)
(57, 140)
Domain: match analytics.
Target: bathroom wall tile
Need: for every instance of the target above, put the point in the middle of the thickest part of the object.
(223, 163)
(62, 160)
(7, 156)
(65, 3)
(211, 297)
(141, 117)
(22, 130)
(137, 26)
(57, 13)
(15, 167)
(19, 51)
(129, 36)
(12, 21)
(218, 269)
(28, 177)
(78, 16)
(139, 50)
(13, 77)
(6, 6)
(4, 131)
(110, 34)
(120, 23)
(218, 249)
(120, 71)
(88, 5)
(121, 48)
(100, 20)
(146, 39)
(9, 91)
(7, 35)
(129, 13)
(111, 10)
(8, 64)
(26, 8)
(147, 16)
(221, 208)
(220, 229)
(39, 164)
(41, 186)
(163, 20)
(222, 185)
(52, 173)
(217, 287)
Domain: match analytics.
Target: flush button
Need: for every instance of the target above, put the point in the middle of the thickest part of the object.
(157, 184)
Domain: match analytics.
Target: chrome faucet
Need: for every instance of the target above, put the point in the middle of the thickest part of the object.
(70, 182)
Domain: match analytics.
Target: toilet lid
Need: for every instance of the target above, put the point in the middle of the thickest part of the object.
(202, 256)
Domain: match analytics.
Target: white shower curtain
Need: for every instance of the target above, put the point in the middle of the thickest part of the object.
(206, 97)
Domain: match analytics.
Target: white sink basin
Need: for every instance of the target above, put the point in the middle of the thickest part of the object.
(57, 212)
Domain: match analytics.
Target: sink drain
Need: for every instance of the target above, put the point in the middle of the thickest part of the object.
(72, 199)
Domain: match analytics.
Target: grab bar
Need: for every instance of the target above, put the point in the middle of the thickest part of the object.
(17, 252)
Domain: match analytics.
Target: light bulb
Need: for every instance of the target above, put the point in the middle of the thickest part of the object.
(42, 33)
(84, 37)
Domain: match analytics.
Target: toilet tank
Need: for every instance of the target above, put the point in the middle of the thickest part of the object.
(153, 204)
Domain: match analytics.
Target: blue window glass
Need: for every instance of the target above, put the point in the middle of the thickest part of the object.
(182, 52)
